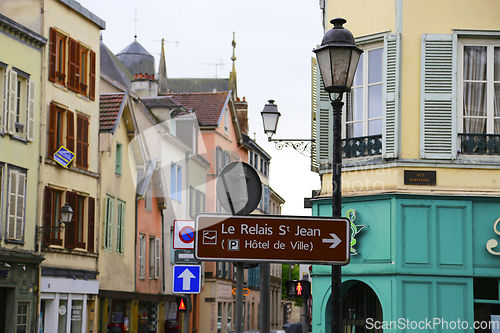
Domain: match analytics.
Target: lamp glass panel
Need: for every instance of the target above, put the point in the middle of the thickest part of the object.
(324, 63)
(355, 55)
(341, 60)
(270, 121)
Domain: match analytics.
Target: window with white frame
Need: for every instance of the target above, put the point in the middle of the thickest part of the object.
(154, 257)
(142, 256)
(364, 114)
(17, 116)
(176, 182)
(480, 86)
(22, 317)
(16, 202)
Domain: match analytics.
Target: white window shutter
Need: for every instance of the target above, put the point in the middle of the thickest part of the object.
(122, 225)
(142, 250)
(17, 186)
(438, 97)
(11, 127)
(157, 258)
(5, 110)
(31, 110)
(390, 136)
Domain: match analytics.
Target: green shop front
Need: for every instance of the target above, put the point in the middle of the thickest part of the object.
(422, 263)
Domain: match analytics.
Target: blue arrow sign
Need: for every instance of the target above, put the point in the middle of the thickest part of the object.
(63, 156)
(186, 279)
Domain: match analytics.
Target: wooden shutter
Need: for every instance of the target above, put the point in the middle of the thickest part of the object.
(324, 122)
(72, 77)
(390, 133)
(47, 215)
(110, 208)
(11, 127)
(30, 122)
(82, 142)
(17, 187)
(72, 200)
(52, 57)
(91, 223)
(92, 75)
(70, 140)
(52, 130)
(314, 111)
(437, 97)
(157, 258)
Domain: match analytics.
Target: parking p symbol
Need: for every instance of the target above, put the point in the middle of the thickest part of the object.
(233, 245)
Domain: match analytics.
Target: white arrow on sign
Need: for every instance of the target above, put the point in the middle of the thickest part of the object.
(186, 277)
(335, 241)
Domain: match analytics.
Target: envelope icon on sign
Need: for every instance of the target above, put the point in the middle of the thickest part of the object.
(209, 237)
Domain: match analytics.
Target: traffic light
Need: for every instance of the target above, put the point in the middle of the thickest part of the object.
(184, 304)
(298, 288)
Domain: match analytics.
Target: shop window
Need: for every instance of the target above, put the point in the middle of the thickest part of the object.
(359, 303)
(22, 317)
(108, 223)
(486, 288)
(16, 205)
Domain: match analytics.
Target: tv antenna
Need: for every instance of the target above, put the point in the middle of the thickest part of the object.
(216, 64)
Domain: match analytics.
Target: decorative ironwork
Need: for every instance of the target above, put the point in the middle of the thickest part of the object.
(303, 147)
(362, 146)
(480, 144)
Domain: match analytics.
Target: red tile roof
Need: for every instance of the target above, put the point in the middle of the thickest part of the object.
(207, 106)
(109, 109)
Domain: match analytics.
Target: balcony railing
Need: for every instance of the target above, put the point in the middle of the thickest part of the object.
(480, 144)
(362, 146)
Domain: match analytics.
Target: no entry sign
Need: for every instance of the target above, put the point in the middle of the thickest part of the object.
(183, 234)
(255, 238)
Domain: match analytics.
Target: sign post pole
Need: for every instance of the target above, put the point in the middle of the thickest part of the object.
(238, 306)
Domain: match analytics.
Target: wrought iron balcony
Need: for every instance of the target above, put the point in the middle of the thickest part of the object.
(362, 146)
(480, 144)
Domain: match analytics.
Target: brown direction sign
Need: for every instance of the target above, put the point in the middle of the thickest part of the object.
(264, 238)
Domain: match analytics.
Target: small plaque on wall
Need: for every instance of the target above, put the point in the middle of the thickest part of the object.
(413, 177)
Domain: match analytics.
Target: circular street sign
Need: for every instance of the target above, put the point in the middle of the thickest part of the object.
(238, 187)
(186, 234)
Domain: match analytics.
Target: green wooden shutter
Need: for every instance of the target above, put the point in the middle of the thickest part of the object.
(323, 122)
(437, 97)
(390, 136)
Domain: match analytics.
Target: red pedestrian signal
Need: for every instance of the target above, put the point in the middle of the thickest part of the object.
(300, 288)
(182, 305)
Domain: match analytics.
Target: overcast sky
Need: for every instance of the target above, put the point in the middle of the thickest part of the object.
(274, 42)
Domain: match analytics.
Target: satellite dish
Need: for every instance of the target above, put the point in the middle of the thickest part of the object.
(238, 187)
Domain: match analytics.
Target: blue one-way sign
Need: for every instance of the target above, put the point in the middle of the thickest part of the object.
(186, 279)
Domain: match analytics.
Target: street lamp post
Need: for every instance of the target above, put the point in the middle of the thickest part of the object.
(338, 59)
